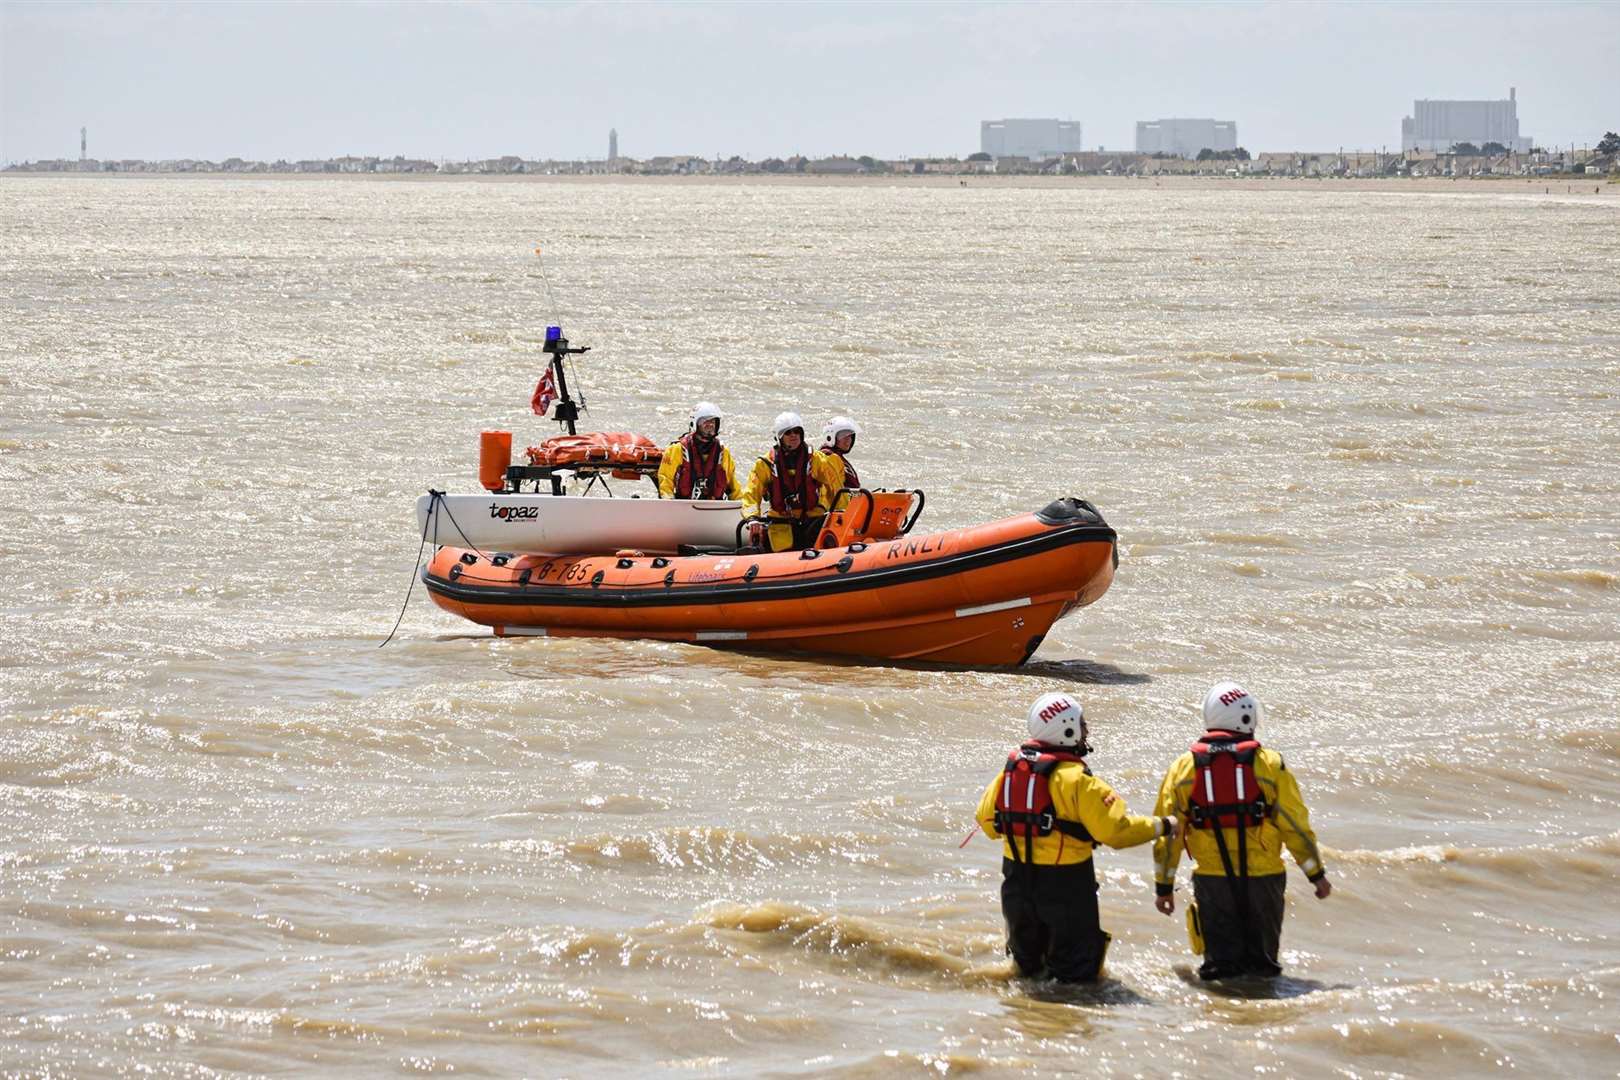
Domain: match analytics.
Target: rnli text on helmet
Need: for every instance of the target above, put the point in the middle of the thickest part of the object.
(1058, 706)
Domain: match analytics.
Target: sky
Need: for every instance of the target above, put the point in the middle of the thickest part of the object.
(547, 80)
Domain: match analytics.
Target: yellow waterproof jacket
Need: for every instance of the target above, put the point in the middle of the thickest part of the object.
(828, 467)
(1290, 824)
(1076, 796)
(756, 500)
(675, 455)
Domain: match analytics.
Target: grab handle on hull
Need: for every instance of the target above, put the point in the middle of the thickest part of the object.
(911, 522)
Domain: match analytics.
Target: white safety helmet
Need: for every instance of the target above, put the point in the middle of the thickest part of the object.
(705, 410)
(1229, 707)
(1057, 720)
(836, 427)
(786, 422)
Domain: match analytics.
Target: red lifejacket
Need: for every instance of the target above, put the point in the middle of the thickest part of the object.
(1024, 800)
(1225, 791)
(699, 476)
(793, 489)
(851, 481)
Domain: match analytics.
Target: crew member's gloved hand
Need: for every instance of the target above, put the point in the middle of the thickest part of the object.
(1323, 888)
(1166, 904)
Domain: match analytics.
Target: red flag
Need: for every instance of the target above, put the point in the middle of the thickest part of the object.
(545, 392)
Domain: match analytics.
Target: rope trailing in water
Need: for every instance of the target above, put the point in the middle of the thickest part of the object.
(433, 507)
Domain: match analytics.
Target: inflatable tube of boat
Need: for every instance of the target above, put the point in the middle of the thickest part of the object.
(981, 595)
(573, 524)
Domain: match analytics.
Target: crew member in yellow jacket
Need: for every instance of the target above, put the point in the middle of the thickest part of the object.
(1241, 806)
(787, 489)
(698, 465)
(832, 461)
(1050, 812)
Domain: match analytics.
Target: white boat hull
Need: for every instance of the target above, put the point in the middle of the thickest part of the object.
(574, 524)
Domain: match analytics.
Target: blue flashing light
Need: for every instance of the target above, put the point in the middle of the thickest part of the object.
(553, 333)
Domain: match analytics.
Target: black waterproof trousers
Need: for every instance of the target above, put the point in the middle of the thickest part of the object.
(1241, 934)
(1052, 927)
(807, 531)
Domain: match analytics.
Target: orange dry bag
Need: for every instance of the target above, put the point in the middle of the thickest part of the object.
(494, 456)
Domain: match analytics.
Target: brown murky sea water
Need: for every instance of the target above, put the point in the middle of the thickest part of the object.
(1360, 446)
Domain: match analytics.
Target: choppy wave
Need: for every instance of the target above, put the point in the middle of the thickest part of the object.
(1594, 858)
(1479, 592)
(1605, 742)
(703, 850)
(872, 946)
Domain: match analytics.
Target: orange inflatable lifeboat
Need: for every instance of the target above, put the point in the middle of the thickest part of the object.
(982, 596)
(985, 595)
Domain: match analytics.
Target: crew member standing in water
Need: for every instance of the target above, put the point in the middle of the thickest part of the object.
(1241, 805)
(784, 489)
(831, 462)
(697, 465)
(1050, 812)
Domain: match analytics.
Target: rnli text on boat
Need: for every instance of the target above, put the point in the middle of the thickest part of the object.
(924, 546)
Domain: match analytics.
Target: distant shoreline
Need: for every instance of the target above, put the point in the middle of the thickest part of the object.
(1563, 184)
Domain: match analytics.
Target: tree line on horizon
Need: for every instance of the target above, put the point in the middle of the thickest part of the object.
(1609, 144)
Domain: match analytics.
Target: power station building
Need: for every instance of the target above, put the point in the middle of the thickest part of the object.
(1437, 126)
(1033, 139)
(1184, 137)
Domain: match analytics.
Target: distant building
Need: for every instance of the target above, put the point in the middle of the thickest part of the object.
(1440, 125)
(835, 166)
(1184, 137)
(679, 164)
(613, 145)
(1033, 139)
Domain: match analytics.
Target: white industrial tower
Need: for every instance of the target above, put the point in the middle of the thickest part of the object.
(1037, 140)
(1185, 136)
(84, 144)
(1437, 126)
(613, 145)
